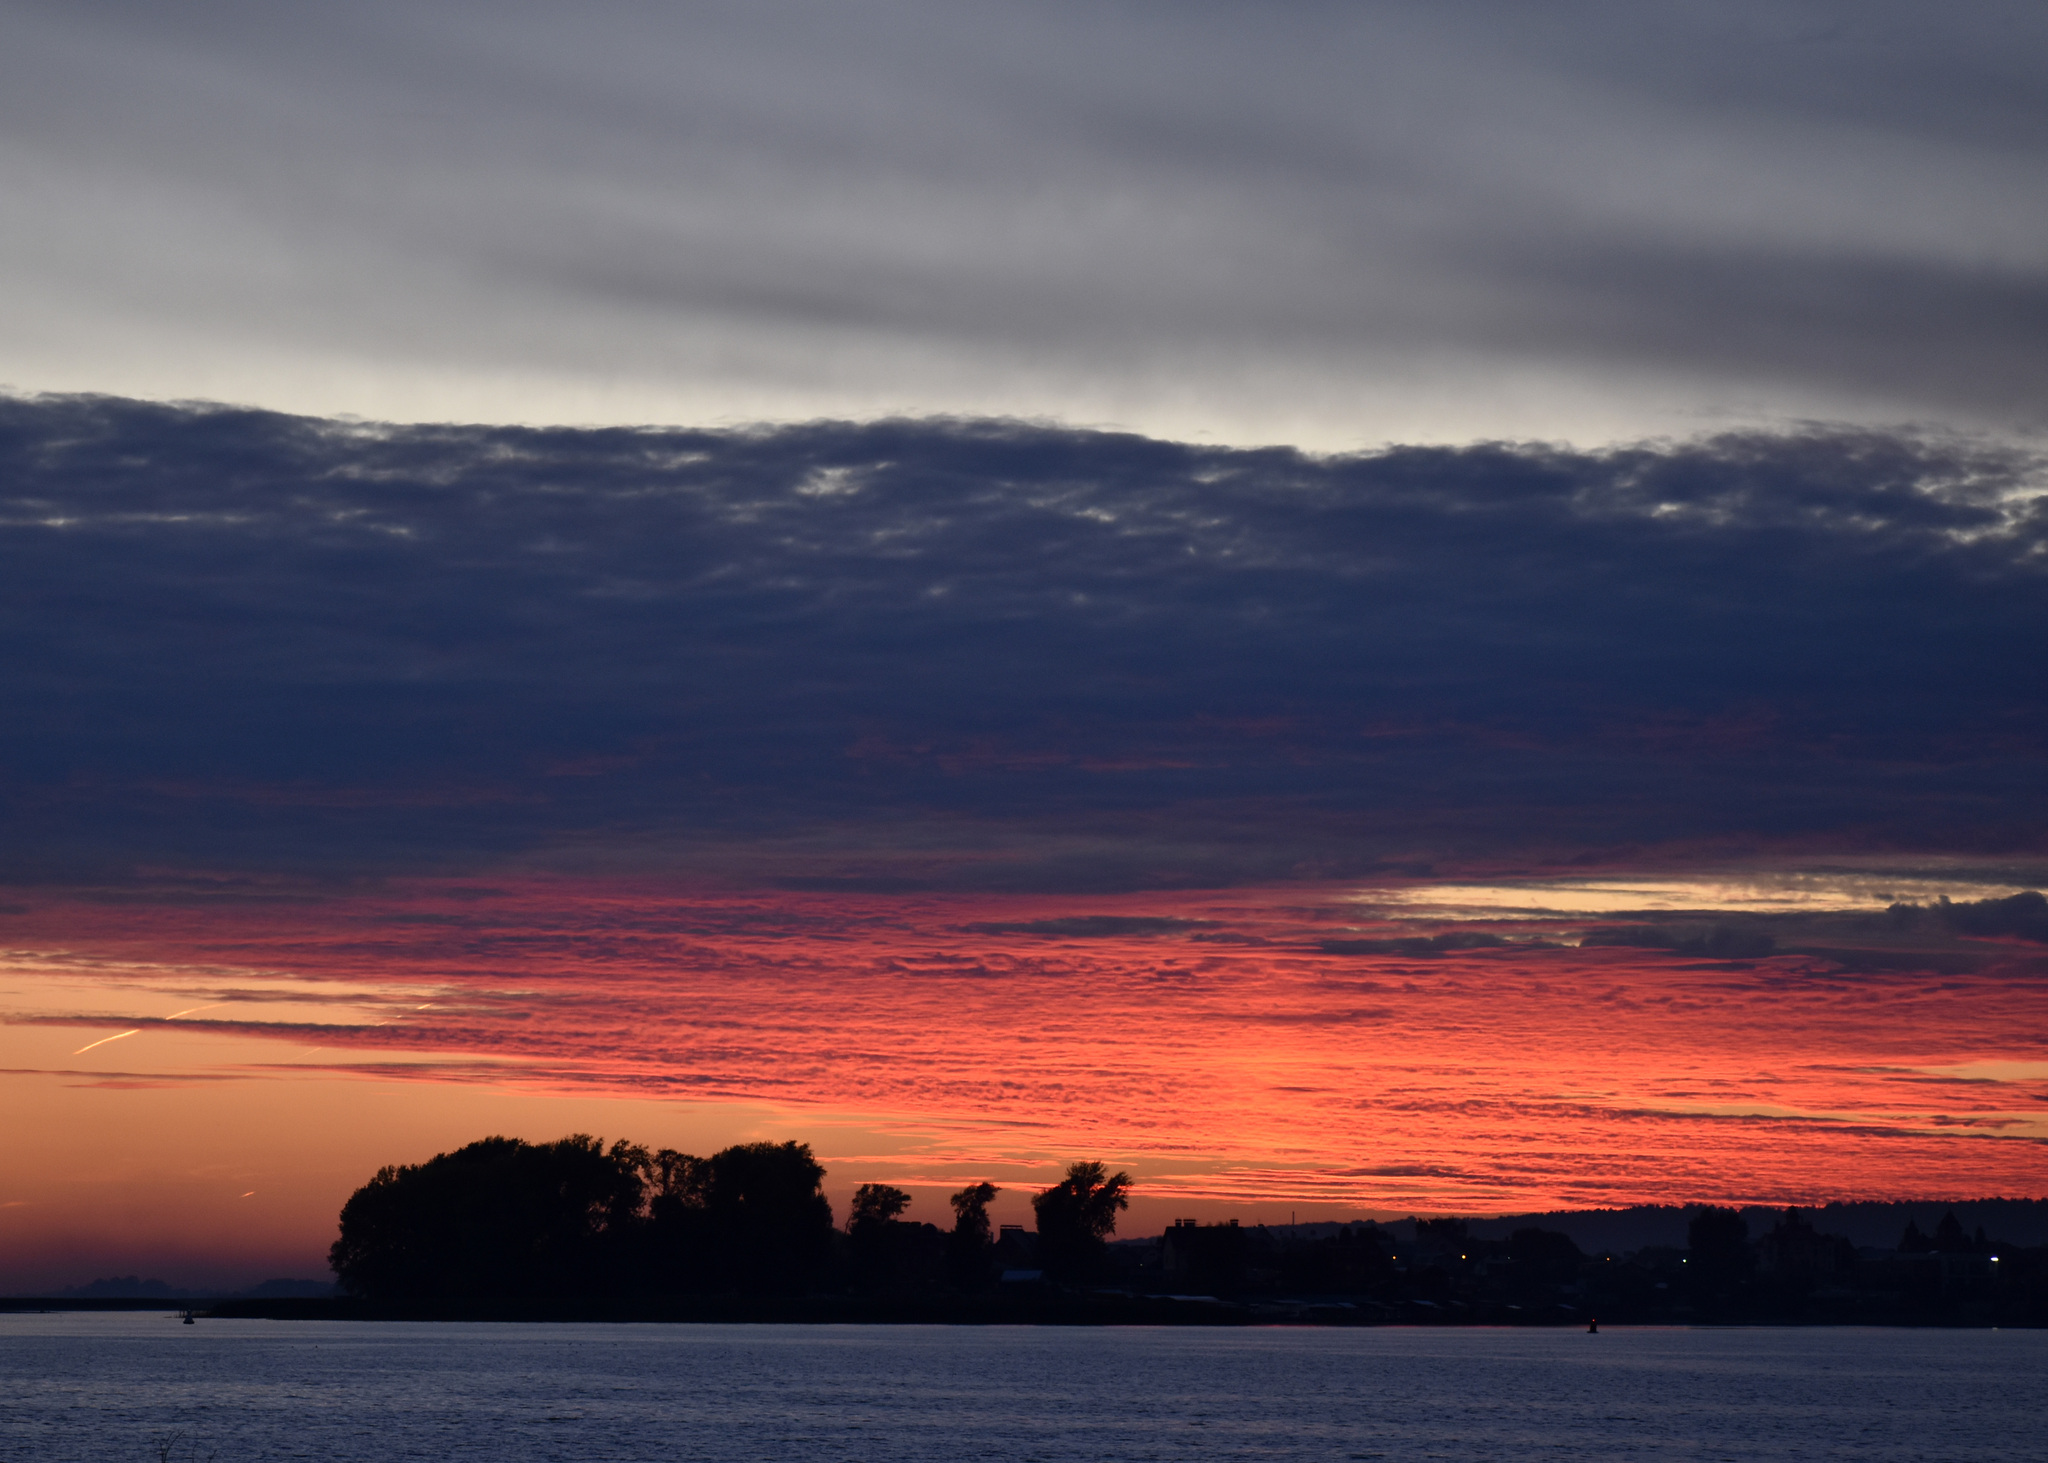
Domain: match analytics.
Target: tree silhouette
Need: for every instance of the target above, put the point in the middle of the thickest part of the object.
(1949, 1238)
(875, 1204)
(970, 1248)
(1447, 1232)
(1076, 1216)
(1720, 1260)
(751, 1218)
(887, 1253)
(498, 1217)
(1544, 1256)
(507, 1218)
(970, 1211)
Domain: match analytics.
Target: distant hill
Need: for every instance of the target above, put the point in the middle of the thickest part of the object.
(125, 1287)
(134, 1287)
(290, 1290)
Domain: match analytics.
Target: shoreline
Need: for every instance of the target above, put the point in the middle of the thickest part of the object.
(1062, 1310)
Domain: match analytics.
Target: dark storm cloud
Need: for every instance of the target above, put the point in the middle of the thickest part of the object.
(994, 653)
(1721, 940)
(1340, 223)
(2021, 916)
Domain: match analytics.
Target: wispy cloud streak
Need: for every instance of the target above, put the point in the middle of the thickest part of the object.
(1017, 1028)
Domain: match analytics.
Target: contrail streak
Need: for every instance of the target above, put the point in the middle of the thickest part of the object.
(103, 1041)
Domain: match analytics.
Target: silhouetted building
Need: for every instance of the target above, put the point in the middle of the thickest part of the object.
(1206, 1257)
(1016, 1248)
(1795, 1250)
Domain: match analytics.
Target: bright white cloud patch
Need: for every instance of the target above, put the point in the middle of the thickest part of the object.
(1749, 893)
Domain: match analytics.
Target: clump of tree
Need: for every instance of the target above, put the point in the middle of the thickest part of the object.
(1543, 1257)
(886, 1252)
(577, 1218)
(504, 1217)
(971, 1247)
(498, 1217)
(1354, 1260)
(752, 1218)
(1076, 1217)
(1721, 1259)
(1948, 1239)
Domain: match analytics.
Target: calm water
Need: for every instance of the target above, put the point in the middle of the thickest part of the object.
(112, 1387)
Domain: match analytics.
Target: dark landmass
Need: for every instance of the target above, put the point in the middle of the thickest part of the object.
(135, 1288)
(1033, 1307)
(126, 1287)
(504, 1230)
(15, 1304)
(1866, 1223)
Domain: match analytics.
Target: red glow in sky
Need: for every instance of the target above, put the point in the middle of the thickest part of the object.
(1213, 1045)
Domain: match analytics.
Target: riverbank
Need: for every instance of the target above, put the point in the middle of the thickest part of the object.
(1047, 1308)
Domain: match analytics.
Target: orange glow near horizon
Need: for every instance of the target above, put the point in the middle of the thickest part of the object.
(1218, 1053)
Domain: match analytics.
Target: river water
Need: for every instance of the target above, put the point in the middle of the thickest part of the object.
(111, 1388)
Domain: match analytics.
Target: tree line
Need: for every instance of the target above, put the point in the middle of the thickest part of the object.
(577, 1220)
(503, 1217)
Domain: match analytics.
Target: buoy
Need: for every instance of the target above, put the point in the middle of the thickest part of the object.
(1593, 1327)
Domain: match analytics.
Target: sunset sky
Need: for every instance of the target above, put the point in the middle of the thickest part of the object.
(1356, 609)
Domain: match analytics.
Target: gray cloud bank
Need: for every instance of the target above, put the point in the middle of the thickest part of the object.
(1327, 224)
(997, 654)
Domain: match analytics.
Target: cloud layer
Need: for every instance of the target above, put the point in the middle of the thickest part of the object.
(1328, 224)
(1318, 1055)
(985, 653)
